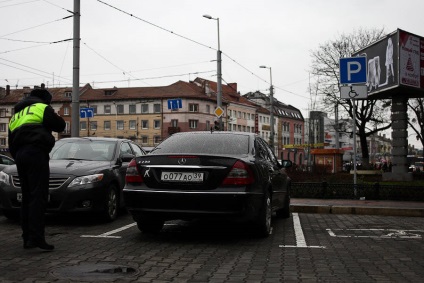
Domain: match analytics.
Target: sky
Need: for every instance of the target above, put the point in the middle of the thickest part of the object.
(136, 43)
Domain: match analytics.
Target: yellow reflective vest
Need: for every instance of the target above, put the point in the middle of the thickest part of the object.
(30, 115)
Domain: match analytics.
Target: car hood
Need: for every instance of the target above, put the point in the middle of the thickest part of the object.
(71, 167)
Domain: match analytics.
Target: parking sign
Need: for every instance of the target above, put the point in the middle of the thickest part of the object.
(353, 70)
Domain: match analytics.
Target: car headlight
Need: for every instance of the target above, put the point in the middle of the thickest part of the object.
(4, 178)
(84, 180)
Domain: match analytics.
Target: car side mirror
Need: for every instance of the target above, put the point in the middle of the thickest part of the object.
(126, 157)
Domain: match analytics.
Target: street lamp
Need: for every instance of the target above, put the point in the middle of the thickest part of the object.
(271, 95)
(219, 73)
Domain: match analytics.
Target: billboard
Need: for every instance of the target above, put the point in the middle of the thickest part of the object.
(395, 66)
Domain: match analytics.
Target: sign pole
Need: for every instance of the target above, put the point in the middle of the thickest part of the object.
(354, 146)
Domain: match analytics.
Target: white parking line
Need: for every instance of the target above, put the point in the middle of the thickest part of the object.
(108, 234)
(376, 233)
(300, 237)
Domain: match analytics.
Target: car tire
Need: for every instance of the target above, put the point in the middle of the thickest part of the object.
(264, 217)
(150, 225)
(11, 215)
(285, 211)
(110, 211)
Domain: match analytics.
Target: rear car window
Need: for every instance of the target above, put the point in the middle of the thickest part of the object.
(204, 144)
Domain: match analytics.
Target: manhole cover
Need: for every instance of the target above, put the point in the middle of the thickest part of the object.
(94, 272)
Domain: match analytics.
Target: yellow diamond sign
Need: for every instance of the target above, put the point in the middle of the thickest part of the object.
(219, 111)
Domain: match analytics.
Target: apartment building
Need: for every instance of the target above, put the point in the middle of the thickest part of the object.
(148, 115)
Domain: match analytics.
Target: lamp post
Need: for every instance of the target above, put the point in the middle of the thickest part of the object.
(219, 73)
(271, 95)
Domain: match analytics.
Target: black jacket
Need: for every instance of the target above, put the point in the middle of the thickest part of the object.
(36, 135)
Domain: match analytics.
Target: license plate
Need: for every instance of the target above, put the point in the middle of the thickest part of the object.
(19, 197)
(182, 177)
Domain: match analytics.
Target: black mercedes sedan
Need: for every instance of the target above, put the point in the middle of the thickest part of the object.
(190, 175)
(86, 175)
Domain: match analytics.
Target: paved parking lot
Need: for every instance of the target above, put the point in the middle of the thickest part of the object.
(304, 248)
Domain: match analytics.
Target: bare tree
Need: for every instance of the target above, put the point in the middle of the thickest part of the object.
(370, 117)
(416, 105)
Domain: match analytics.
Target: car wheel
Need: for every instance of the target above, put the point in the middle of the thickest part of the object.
(110, 211)
(150, 225)
(264, 217)
(11, 215)
(285, 211)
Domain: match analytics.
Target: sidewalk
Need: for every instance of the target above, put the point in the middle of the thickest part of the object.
(363, 207)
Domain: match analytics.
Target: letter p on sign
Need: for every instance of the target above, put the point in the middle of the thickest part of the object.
(353, 70)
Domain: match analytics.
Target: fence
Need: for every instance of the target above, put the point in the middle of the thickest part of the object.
(374, 191)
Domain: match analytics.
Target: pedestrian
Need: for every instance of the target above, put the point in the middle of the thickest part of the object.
(30, 142)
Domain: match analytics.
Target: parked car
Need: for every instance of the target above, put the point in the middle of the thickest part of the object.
(208, 174)
(5, 161)
(86, 175)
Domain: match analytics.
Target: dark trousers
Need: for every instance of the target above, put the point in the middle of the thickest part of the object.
(34, 172)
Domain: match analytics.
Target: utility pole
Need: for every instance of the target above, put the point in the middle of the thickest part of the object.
(271, 110)
(219, 73)
(75, 83)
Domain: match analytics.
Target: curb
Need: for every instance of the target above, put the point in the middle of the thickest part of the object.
(358, 210)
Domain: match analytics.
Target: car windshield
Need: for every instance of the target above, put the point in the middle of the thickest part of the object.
(84, 149)
(227, 144)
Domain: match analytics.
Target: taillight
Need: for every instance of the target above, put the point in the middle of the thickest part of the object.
(132, 175)
(240, 174)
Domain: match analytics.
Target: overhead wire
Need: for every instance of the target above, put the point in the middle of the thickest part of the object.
(47, 23)
(194, 41)
(17, 3)
(28, 67)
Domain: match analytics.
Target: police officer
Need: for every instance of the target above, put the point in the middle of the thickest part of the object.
(30, 142)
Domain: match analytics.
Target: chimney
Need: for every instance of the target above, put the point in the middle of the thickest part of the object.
(7, 89)
(2, 92)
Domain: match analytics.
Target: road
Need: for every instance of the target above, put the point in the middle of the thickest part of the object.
(303, 248)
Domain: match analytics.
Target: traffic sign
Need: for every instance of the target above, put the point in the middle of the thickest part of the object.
(86, 112)
(353, 70)
(218, 112)
(354, 92)
(175, 103)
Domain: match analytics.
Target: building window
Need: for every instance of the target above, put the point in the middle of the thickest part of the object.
(107, 109)
(120, 109)
(3, 127)
(93, 125)
(208, 125)
(156, 139)
(66, 111)
(68, 94)
(193, 124)
(193, 107)
(106, 125)
(119, 125)
(83, 125)
(156, 124)
(208, 109)
(133, 124)
(67, 128)
(94, 108)
(132, 109)
(145, 140)
(156, 108)
(144, 124)
(3, 112)
(144, 108)
(174, 123)
(2, 141)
